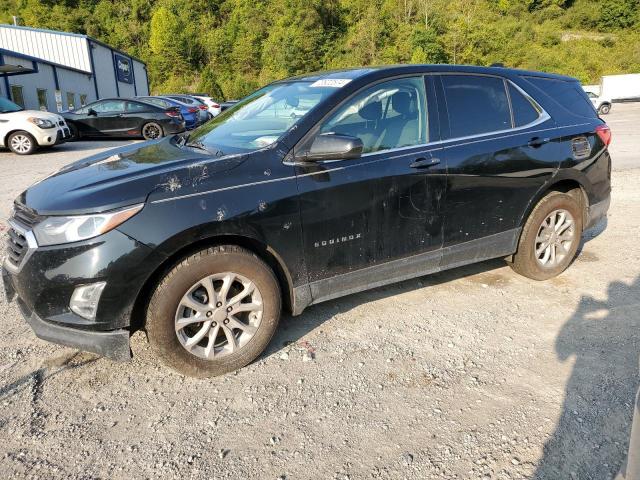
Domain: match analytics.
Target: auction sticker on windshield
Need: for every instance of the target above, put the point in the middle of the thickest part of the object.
(331, 82)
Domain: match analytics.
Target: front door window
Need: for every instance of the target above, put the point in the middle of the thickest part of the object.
(386, 116)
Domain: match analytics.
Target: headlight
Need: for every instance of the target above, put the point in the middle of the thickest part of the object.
(41, 122)
(58, 230)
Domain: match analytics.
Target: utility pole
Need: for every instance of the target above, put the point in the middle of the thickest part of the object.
(15, 20)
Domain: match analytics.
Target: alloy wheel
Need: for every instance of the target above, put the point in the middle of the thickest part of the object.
(218, 315)
(555, 238)
(20, 143)
(151, 131)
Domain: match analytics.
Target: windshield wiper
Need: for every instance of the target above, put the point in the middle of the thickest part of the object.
(182, 139)
(200, 146)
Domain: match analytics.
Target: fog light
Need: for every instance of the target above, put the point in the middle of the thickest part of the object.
(85, 298)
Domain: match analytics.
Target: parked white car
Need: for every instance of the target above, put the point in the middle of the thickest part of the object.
(212, 105)
(23, 131)
(602, 105)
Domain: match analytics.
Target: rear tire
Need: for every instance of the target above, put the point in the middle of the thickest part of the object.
(152, 131)
(550, 237)
(604, 109)
(75, 134)
(22, 143)
(208, 340)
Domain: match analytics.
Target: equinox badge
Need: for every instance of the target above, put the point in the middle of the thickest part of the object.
(333, 241)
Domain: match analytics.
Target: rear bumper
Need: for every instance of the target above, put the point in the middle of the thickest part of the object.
(597, 211)
(171, 128)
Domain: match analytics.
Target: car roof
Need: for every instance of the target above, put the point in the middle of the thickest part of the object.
(353, 73)
(162, 97)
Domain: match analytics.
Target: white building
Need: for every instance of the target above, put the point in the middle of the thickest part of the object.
(55, 71)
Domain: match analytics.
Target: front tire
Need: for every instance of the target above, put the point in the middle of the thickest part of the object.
(22, 143)
(550, 237)
(152, 131)
(214, 312)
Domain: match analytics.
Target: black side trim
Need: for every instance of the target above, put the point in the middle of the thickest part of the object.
(494, 246)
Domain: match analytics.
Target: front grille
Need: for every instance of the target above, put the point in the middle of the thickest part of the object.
(20, 240)
(16, 247)
(25, 216)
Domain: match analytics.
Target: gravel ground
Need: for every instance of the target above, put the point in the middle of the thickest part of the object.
(472, 373)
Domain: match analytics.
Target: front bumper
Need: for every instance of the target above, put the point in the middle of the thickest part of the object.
(52, 136)
(112, 344)
(46, 280)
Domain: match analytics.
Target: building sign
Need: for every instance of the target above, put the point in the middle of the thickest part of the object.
(124, 68)
(58, 100)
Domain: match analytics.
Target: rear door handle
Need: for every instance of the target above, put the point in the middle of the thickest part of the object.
(537, 142)
(424, 162)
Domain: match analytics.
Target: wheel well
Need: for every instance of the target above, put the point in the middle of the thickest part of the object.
(6, 137)
(262, 251)
(573, 188)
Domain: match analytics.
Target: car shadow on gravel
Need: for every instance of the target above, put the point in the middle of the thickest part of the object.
(50, 368)
(291, 329)
(592, 435)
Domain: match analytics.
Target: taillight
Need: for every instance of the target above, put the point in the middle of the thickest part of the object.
(203, 107)
(192, 109)
(215, 105)
(604, 132)
(172, 113)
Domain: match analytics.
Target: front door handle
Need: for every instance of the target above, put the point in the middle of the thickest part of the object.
(425, 162)
(537, 142)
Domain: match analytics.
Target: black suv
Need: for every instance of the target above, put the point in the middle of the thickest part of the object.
(309, 189)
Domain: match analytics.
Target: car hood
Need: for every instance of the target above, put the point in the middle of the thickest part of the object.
(123, 176)
(24, 114)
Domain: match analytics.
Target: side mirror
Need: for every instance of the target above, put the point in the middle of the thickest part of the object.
(92, 113)
(333, 146)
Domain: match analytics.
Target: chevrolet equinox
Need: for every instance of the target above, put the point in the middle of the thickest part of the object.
(310, 188)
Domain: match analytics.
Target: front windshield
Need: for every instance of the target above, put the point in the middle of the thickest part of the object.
(261, 118)
(7, 106)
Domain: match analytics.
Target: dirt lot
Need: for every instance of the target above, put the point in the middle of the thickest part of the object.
(472, 373)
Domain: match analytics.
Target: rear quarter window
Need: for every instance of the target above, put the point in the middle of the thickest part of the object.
(568, 94)
(524, 112)
(476, 104)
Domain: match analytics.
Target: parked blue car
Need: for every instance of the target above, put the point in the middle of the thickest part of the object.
(190, 113)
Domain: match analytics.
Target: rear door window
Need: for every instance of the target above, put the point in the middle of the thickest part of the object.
(476, 104)
(524, 112)
(568, 94)
(134, 107)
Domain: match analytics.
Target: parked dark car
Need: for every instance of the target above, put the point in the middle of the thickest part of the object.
(191, 114)
(309, 189)
(227, 105)
(118, 117)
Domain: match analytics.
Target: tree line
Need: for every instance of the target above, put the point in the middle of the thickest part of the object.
(228, 48)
